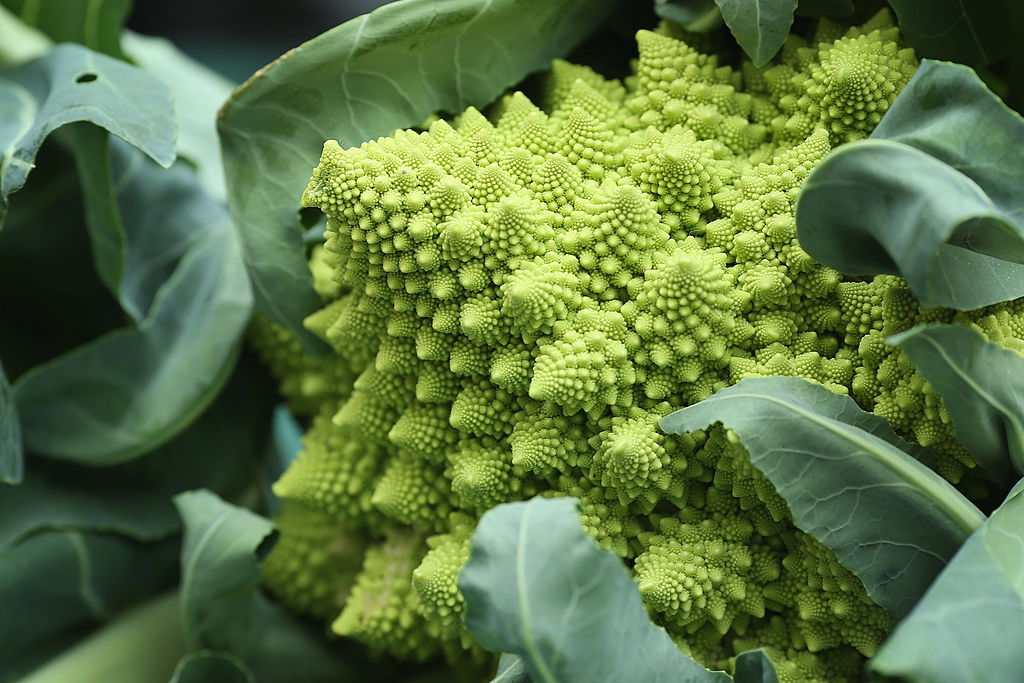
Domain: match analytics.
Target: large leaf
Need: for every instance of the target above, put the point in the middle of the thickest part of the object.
(198, 94)
(927, 198)
(184, 281)
(887, 517)
(538, 587)
(73, 83)
(11, 456)
(982, 387)
(223, 609)
(385, 70)
(95, 24)
(970, 623)
(56, 584)
(975, 32)
(759, 26)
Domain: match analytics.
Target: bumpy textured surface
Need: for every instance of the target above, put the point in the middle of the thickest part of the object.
(515, 301)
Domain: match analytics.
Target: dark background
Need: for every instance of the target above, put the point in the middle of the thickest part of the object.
(237, 38)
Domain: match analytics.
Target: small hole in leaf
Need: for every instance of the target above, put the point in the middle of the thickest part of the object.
(86, 78)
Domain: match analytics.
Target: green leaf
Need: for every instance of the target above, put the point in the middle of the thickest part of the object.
(511, 669)
(208, 666)
(72, 83)
(56, 584)
(21, 42)
(974, 32)
(982, 387)
(95, 24)
(970, 623)
(693, 15)
(133, 389)
(887, 517)
(12, 460)
(759, 26)
(198, 94)
(754, 666)
(223, 609)
(385, 70)
(825, 8)
(538, 587)
(927, 198)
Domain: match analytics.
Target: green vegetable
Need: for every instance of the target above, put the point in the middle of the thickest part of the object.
(514, 303)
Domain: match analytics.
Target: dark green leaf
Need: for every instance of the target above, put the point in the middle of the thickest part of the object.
(974, 32)
(693, 15)
(223, 609)
(759, 26)
(198, 94)
(95, 24)
(72, 83)
(538, 587)
(132, 389)
(48, 502)
(511, 669)
(927, 198)
(207, 666)
(887, 517)
(982, 387)
(970, 623)
(57, 583)
(12, 462)
(825, 8)
(753, 666)
(385, 70)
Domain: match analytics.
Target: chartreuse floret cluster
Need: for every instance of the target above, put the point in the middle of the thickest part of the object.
(514, 300)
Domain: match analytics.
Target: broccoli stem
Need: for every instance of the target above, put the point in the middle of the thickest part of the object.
(143, 645)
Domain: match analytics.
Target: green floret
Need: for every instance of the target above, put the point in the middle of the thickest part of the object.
(524, 297)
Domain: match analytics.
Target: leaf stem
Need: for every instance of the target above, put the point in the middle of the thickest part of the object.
(141, 646)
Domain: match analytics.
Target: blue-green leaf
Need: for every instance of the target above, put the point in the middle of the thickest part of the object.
(73, 83)
(759, 26)
(538, 587)
(927, 197)
(184, 282)
(223, 609)
(970, 623)
(511, 669)
(388, 69)
(887, 517)
(12, 463)
(198, 94)
(693, 15)
(982, 387)
(754, 666)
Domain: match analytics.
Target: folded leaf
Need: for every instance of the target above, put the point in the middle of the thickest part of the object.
(970, 623)
(888, 518)
(759, 26)
(927, 198)
(388, 69)
(538, 587)
(185, 284)
(73, 83)
(12, 463)
(223, 609)
(982, 387)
